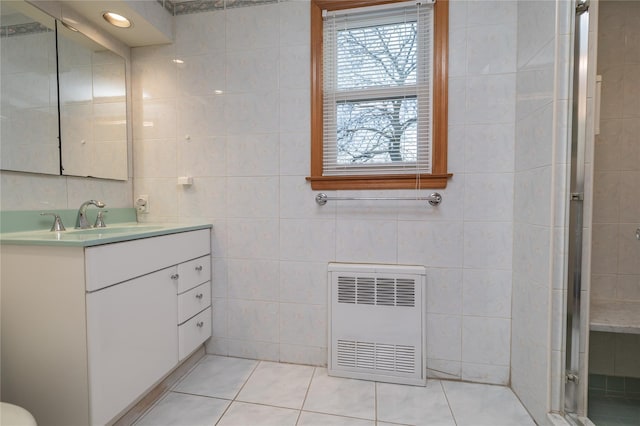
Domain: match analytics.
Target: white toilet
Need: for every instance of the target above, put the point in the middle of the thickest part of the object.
(12, 415)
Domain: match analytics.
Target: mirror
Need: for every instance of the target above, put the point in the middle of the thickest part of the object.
(29, 93)
(89, 137)
(93, 108)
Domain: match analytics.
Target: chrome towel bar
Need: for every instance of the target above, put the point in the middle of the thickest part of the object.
(434, 199)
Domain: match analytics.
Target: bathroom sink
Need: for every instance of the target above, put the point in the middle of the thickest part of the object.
(116, 229)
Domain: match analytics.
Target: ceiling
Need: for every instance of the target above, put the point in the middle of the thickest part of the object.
(152, 24)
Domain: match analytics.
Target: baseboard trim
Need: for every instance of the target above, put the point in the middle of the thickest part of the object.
(146, 401)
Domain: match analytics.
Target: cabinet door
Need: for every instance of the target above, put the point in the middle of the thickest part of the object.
(132, 340)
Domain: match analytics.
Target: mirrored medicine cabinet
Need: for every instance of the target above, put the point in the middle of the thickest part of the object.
(63, 98)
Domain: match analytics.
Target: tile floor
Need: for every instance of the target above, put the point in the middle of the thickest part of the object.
(232, 391)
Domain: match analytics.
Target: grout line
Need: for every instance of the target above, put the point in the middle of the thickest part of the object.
(200, 395)
(375, 402)
(346, 416)
(238, 393)
(453, 416)
(264, 404)
(223, 413)
(306, 394)
(246, 380)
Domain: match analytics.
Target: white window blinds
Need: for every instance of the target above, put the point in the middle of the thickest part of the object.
(377, 90)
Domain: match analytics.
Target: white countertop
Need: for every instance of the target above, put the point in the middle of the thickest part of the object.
(113, 233)
(615, 316)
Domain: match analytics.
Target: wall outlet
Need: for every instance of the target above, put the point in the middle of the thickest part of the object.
(142, 204)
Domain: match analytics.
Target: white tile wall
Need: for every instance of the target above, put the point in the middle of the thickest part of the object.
(489, 52)
(254, 279)
(298, 320)
(489, 147)
(479, 236)
(485, 341)
(539, 205)
(444, 337)
(487, 293)
(253, 320)
(252, 155)
(444, 291)
(253, 239)
(429, 244)
(372, 241)
(536, 23)
(273, 241)
(482, 187)
(490, 98)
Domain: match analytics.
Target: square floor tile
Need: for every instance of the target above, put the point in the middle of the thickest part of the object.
(485, 405)
(181, 409)
(317, 419)
(281, 385)
(245, 414)
(344, 397)
(413, 405)
(217, 376)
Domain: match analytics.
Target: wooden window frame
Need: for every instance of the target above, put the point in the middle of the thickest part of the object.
(438, 177)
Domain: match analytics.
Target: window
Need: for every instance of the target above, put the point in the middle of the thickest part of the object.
(379, 108)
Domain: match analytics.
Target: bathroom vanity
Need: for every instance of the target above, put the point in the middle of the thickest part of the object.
(93, 321)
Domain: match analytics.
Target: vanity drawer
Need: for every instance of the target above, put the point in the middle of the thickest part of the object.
(110, 264)
(193, 273)
(193, 333)
(193, 301)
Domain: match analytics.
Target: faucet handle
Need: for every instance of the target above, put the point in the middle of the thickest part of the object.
(57, 222)
(100, 219)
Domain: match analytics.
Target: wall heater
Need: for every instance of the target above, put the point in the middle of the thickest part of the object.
(377, 322)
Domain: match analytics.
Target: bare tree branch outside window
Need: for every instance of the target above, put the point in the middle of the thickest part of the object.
(374, 127)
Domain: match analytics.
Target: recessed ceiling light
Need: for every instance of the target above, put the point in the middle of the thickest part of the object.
(116, 20)
(68, 26)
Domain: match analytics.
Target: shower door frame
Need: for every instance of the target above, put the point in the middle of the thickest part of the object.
(575, 373)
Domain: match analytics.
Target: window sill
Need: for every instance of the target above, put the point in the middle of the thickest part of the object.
(425, 181)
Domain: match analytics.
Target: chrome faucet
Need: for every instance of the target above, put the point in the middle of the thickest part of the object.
(82, 221)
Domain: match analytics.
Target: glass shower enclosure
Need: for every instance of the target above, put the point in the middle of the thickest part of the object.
(602, 380)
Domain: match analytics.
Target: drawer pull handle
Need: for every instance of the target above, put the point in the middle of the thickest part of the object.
(199, 296)
(175, 276)
(200, 323)
(199, 268)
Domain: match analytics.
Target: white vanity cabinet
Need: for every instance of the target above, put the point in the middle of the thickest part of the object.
(87, 331)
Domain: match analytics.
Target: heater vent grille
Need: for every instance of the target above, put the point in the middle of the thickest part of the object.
(376, 356)
(377, 322)
(379, 291)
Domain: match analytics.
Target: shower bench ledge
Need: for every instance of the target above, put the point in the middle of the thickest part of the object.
(615, 316)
